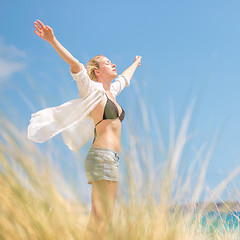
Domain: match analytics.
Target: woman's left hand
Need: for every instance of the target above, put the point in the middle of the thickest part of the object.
(130, 70)
(138, 60)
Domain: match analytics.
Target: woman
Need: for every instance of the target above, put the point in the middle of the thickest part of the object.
(76, 120)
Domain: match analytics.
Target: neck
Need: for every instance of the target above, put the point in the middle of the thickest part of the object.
(106, 86)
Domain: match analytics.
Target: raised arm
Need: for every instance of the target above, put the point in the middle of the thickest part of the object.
(45, 32)
(130, 70)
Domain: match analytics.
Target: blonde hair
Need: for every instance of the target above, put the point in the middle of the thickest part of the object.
(92, 65)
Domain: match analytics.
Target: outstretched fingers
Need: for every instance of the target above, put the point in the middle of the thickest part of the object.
(37, 27)
(37, 33)
(38, 30)
(40, 24)
(43, 31)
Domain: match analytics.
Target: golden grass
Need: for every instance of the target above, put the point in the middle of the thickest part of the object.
(33, 206)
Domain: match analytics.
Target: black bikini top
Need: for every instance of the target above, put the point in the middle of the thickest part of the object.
(110, 112)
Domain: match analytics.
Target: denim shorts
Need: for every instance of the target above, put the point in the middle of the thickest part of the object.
(101, 164)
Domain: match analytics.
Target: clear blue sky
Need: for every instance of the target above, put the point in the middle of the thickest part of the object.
(190, 50)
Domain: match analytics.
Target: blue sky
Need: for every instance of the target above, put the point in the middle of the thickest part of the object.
(190, 52)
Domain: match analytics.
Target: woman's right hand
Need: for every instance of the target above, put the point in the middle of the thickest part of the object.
(44, 31)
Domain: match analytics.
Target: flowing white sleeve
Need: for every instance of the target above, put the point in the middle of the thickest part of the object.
(70, 117)
(119, 84)
(84, 83)
(48, 122)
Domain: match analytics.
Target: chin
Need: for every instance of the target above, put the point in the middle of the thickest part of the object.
(113, 76)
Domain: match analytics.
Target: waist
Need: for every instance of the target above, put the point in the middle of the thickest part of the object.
(104, 149)
(103, 145)
(109, 142)
(108, 135)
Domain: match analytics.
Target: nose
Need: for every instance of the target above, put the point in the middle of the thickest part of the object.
(114, 65)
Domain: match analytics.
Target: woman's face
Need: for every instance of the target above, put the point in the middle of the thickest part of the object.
(107, 70)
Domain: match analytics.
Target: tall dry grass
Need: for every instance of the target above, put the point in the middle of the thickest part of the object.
(36, 202)
(32, 206)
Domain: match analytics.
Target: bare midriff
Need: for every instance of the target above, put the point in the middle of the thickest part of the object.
(109, 134)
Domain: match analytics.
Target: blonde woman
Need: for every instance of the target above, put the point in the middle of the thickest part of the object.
(96, 113)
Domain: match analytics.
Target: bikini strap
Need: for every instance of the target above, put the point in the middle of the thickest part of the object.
(99, 122)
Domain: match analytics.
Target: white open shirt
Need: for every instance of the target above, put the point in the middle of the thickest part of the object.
(73, 118)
